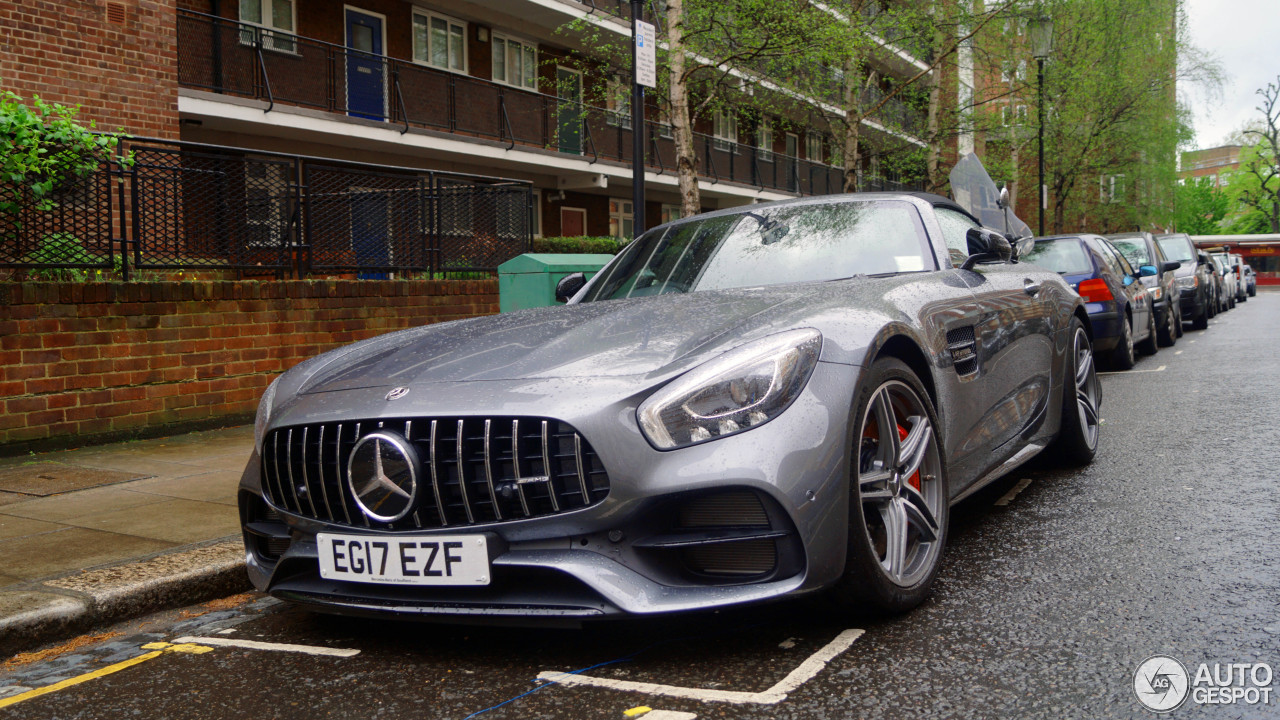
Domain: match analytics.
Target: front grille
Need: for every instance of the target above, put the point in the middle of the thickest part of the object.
(473, 470)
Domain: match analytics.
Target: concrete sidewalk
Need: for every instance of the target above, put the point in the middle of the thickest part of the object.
(102, 533)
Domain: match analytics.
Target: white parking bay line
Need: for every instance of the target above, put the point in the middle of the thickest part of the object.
(774, 695)
(1009, 496)
(1131, 372)
(669, 715)
(277, 647)
(1177, 352)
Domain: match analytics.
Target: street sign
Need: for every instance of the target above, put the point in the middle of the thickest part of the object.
(646, 54)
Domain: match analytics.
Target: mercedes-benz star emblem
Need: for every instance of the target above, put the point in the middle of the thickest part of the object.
(397, 393)
(383, 476)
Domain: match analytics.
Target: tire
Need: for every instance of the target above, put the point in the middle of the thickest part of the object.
(1201, 321)
(1122, 357)
(1168, 335)
(1210, 310)
(1253, 291)
(891, 571)
(1178, 321)
(1154, 340)
(1077, 440)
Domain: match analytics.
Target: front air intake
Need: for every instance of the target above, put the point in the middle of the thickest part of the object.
(738, 559)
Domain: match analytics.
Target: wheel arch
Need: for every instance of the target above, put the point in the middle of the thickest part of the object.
(908, 351)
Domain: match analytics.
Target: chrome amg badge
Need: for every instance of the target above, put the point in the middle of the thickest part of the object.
(382, 474)
(397, 393)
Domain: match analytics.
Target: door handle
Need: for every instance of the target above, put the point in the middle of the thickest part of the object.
(1030, 288)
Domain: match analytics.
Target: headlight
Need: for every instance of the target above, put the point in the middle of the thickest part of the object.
(1190, 282)
(264, 414)
(743, 388)
(1157, 292)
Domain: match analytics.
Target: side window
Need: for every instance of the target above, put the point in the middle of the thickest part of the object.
(955, 228)
(1115, 260)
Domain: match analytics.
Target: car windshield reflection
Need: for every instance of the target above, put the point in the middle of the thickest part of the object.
(769, 246)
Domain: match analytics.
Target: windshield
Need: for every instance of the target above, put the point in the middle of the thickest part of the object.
(1177, 248)
(1066, 256)
(1134, 250)
(769, 246)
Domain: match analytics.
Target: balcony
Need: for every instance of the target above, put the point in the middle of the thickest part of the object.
(235, 59)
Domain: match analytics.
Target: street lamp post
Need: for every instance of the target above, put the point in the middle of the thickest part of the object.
(637, 127)
(1041, 31)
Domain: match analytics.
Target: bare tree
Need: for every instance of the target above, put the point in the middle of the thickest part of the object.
(1261, 166)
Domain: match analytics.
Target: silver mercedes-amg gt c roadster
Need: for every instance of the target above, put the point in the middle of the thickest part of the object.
(745, 405)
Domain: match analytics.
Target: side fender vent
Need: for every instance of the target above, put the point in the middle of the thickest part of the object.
(963, 349)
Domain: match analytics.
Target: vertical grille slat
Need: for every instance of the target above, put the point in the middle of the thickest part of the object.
(484, 483)
(462, 474)
(435, 482)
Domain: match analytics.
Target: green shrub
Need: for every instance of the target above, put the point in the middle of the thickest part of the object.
(63, 249)
(566, 245)
(43, 148)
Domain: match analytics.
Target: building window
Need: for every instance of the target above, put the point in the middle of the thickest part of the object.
(671, 212)
(621, 219)
(439, 41)
(278, 15)
(1115, 189)
(515, 62)
(764, 138)
(618, 101)
(266, 192)
(724, 131)
(813, 146)
(1020, 116)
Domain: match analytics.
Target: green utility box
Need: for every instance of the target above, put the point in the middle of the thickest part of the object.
(529, 280)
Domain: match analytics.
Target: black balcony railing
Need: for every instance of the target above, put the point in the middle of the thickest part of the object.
(191, 206)
(233, 58)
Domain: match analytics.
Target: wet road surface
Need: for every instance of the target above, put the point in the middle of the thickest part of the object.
(1055, 587)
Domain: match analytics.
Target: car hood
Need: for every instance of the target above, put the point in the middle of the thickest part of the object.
(643, 336)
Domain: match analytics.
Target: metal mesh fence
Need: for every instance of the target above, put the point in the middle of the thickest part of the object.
(184, 205)
(74, 233)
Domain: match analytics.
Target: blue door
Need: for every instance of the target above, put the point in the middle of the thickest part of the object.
(370, 234)
(366, 68)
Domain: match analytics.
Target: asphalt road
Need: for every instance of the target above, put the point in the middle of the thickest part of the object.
(1055, 587)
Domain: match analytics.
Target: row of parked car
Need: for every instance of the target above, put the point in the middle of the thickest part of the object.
(1140, 288)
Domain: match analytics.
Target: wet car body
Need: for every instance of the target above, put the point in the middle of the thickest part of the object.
(1194, 278)
(1119, 307)
(1230, 284)
(532, 440)
(1159, 274)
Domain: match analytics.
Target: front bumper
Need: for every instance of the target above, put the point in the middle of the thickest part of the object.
(601, 560)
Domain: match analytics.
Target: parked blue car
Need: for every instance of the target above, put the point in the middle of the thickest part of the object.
(1120, 308)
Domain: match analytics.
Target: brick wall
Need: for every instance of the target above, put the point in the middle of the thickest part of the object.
(120, 66)
(86, 362)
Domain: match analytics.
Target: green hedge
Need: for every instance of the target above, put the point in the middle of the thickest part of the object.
(567, 245)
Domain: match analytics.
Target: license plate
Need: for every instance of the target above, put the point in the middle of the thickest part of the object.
(435, 560)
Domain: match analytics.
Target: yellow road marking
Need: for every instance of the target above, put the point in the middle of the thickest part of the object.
(157, 649)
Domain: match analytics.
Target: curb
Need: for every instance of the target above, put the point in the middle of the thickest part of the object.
(55, 609)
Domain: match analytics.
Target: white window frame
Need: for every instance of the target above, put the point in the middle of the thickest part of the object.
(619, 217)
(764, 139)
(429, 15)
(724, 131)
(617, 101)
(1020, 115)
(813, 146)
(671, 212)
(275, 207)
(1112, 195)
(271, 33)
(497, 37)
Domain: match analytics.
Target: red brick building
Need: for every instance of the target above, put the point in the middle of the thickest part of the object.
(491, 87)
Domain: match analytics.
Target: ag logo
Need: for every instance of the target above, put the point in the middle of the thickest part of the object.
(1161, 683)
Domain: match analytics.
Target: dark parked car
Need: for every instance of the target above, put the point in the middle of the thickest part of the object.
(1229, 284)
(750, 404)
(1194, 278)
(1119, 307)
(1158, 273)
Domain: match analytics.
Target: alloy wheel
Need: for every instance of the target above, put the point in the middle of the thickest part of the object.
(1088, 390)
(899, 483)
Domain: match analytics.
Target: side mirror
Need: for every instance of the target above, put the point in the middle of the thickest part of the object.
(569, 286)
(1170, 266)
(1147, 271)
(1022, 246)
(986, 245)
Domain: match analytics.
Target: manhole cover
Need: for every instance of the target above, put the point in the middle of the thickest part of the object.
(50, 478)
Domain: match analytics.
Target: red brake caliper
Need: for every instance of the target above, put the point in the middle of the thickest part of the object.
(914, 480)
